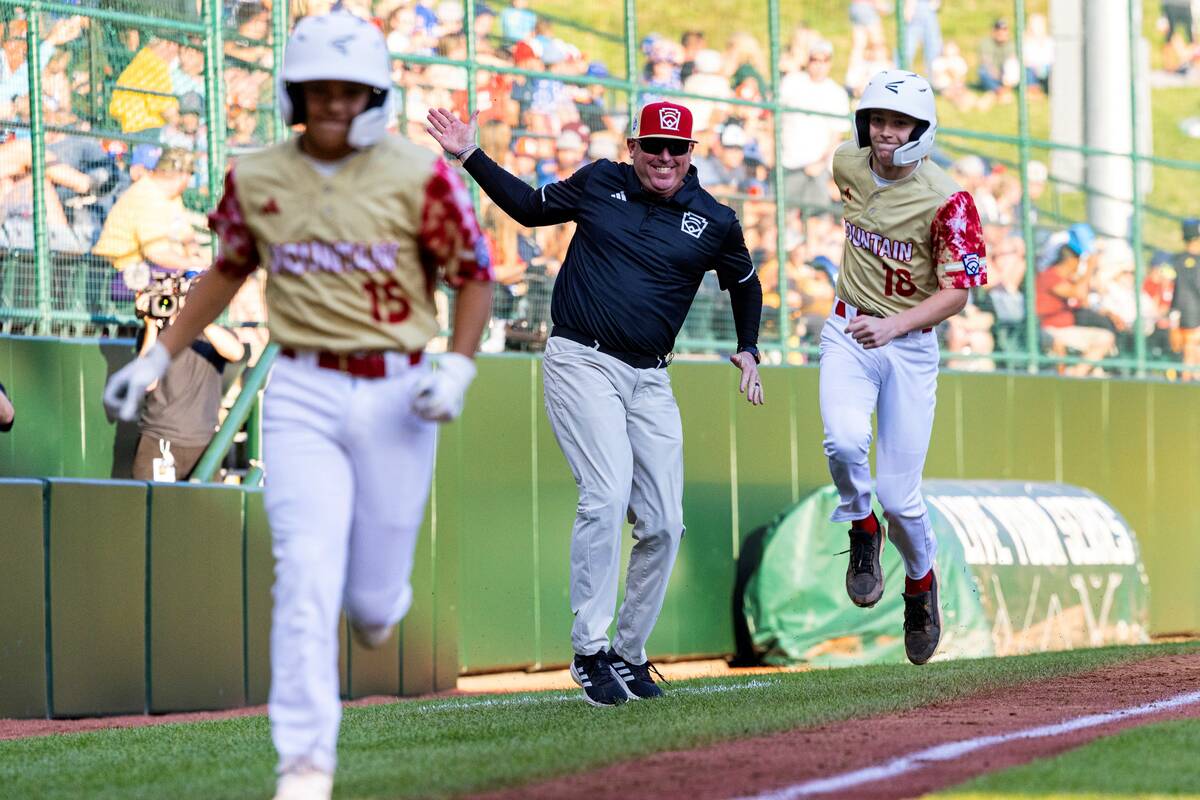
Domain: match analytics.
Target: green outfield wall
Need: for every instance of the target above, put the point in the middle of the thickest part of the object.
(170, 585)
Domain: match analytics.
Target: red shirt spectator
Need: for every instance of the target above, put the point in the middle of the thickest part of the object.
(1054, 311)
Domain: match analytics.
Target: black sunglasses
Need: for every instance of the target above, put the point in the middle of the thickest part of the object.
(654, 145)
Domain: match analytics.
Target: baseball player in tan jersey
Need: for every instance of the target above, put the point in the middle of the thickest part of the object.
(353, 227)
(914, 247)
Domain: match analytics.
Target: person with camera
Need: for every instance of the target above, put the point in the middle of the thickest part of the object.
(7, 414)
(180, 414)
(147, 233)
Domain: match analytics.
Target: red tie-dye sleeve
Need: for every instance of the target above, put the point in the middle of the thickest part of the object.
(238, 254)
(451, 241)
(958, 248)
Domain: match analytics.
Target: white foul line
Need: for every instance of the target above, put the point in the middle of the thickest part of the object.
(954, 750)
(547, 698)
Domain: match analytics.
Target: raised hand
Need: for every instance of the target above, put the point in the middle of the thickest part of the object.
(451, 133)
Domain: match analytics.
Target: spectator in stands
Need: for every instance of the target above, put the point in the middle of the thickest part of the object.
(1158, 291)
(144, 96)
(1177, 15)
(148, 230)
(999, 70)
(1113, 295)
(707, 79)
(865, 22)
(866, 64)
(724, 169)
(604, 145)
(692, 42)
(746, 64)
(971, 172)
(1003, 297)
(14, 65)
(569, 151)
(948, 76)
(1185, 304)
(8, 414)
(186, 131)
(1038, 50)
(969, 333)
(181, 410)
(517, 21)
(662, 68)
(1062, 289)
(591, 102)
(795, 56)
(922, 27)
(810, 139)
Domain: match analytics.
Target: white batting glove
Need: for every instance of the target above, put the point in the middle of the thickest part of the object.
(126, 388)
(439, 394)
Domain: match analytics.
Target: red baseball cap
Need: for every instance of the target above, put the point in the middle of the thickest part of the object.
(665, 120)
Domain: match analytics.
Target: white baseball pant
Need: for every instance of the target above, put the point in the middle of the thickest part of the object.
(898, 382)
(349, 472)
(619, 428)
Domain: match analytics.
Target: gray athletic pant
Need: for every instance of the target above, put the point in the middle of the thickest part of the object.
(619, 429)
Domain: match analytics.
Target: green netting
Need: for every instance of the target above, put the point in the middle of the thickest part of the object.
(554, 82)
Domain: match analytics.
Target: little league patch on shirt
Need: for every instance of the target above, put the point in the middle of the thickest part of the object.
(693, 224)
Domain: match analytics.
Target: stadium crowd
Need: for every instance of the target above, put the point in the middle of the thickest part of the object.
(115, 99)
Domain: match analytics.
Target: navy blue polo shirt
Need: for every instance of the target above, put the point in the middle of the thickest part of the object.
(636, 260)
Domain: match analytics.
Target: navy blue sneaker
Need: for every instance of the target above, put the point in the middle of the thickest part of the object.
(598, 680)
(636, 677)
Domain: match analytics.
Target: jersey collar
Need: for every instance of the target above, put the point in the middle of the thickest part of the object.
(683, 195)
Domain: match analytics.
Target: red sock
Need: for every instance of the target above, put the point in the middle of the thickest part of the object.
(919, 585)
(870, 524)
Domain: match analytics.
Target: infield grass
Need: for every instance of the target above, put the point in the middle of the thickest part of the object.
(1154, 761)
(437, 748)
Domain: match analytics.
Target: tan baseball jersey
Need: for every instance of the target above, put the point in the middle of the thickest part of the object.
(352, 258)
(907, 239)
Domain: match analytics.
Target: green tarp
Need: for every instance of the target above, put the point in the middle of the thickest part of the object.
(1022, 567)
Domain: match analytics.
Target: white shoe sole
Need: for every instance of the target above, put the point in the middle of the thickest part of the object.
(575, 677)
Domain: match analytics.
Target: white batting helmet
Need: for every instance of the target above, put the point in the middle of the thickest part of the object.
(905, 92)
(338, 47)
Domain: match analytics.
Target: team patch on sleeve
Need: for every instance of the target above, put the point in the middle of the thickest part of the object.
(451, 240)
(239, 253)
(958, 247)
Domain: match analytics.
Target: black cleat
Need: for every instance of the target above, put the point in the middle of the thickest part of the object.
(864, 573)
(922, 624)
(599, 681)
(636, 677)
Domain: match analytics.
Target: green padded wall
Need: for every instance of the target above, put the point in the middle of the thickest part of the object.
(195, 604)
(258, 579)
(23, 600)
(97, 552)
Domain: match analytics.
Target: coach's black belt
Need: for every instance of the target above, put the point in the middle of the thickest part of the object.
(636, 360)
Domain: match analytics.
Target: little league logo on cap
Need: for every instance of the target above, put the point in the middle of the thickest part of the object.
(665, 120)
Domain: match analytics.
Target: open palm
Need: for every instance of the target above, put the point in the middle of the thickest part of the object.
(451, 133)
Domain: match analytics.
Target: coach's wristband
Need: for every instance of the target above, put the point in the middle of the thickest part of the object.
(464, 154)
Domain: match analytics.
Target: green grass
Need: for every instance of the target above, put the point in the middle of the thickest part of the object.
(1150, 762)
(442, 747)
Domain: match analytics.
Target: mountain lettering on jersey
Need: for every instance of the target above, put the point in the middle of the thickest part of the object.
(878, 244)
(313, 256)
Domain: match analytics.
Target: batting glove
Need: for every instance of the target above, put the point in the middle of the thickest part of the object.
(126, 388)
(439, 394)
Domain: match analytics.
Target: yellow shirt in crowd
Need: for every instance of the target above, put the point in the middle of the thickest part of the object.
(142, 215)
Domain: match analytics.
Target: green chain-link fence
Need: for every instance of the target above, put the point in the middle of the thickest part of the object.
(557, 83)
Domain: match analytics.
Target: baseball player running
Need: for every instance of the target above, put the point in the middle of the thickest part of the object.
(353, 228)
(914, 246)
(646, 233)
